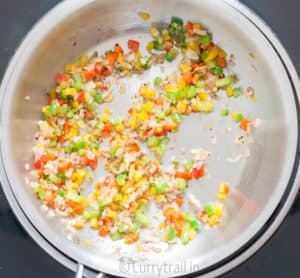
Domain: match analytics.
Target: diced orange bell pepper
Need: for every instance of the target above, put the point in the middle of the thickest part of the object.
(77, 208)
(188, 77)
(221, 62)
(184, 175)
(118, 49)
(88, 114)
(133, 147)
(131, 238)
(103, 230)
(111, 57)
(179, 201)
(244, 124)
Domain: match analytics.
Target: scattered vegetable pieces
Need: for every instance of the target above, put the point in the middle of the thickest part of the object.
(74, 137)
(143, 15)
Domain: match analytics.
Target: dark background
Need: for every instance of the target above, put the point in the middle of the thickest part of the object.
(21, 257)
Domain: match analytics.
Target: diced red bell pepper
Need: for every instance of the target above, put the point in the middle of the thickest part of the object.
(107, 130)
(106, 71)
(89, 75)
(38, 164)
(81, 97)
(160, 131)
(198, 172)
(85, 161)
(61, 139)
(98, 68)
(93, 163)
(133, 45)
(60, 77)
(189, 27)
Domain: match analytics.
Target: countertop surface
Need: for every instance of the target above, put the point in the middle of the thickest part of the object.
(20, 256)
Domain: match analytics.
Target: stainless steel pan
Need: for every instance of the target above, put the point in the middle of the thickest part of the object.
(265, 184)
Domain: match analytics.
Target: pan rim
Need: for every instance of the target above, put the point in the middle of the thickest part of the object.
(289, 195)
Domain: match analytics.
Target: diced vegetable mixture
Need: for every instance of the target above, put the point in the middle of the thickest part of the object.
(75, 137)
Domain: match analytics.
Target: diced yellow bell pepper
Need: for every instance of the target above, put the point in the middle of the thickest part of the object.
(78, 225)
(206, 106)
(211, 221)
(224, 188)
(213, 53)
(107, 111)
(74, 131)
(185, 67)
(221, 196)
(154, 31)
(117, 197)
(137, 176)
(142, 116)
(143, 15)
(74, 186)
(218, 211)
(112, 214)
(197, 26)
(134, 206)
(196, 105)
(105, 117)
(182, 106)
(203, 96)
(84, 60)
(160, 198)
(70, 67)
(120, 59)
(139, 248)
(193, 233)
(229, 91)
(69, 91)
(221, 52)
(166, 37)
(133, 123)
(64, 85)
(194, 46)
(147, 93)
(78, 176)
(120, 128)
(170, 89)
(94, 223)
(124, 200)
(149, 46)
(181, 83)
(152, 190)
(148, 106)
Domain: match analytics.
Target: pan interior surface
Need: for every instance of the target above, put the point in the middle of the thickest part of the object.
(75, 27)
